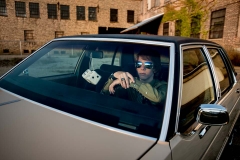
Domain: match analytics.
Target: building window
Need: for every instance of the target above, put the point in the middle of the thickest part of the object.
(195, 27)
(92, 15)
(3, 8)
(80, 13)
(130, 16)
(217, 24)
(59, 34)
(113, 15)
(28, 35)
(64, 11)
(25, 51)
(178, 25)
(84, 33)
(34, 10)
(157, 3)
(5, 50)
(20, 8)
(52, 11)
(149, 4)
(166, 29)
(167, 1)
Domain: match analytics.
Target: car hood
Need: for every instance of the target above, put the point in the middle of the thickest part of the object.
(30, 130)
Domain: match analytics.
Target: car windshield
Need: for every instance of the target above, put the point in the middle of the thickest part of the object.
(69, 75)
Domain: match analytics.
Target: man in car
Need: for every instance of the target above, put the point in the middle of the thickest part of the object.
(144, 89)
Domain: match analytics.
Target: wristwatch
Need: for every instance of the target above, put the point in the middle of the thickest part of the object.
(112, 77)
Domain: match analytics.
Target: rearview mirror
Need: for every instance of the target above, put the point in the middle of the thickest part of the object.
(212, 114)
(94, 54)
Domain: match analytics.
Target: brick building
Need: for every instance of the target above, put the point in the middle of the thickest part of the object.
(27, 24)
(227, 15)
(222, 25)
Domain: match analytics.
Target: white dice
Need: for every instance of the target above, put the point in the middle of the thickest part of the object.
(91, 76)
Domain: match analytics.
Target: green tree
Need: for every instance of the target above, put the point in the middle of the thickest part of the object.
(192, 14)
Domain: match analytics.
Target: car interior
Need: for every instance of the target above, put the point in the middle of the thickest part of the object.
(72, 93)
(127, 64)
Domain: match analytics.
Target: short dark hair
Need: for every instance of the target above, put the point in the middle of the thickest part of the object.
(153, 55)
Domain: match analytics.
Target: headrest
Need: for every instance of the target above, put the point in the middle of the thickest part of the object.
(110, 68)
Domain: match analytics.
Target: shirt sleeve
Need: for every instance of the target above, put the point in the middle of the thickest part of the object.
(105, 89)
(155, 95)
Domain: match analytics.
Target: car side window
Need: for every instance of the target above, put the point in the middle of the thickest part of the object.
(220, 69)
(108, 55)
(58, 61)
(197, 87)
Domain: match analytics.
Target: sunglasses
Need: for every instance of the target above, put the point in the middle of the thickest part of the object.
(148, 65)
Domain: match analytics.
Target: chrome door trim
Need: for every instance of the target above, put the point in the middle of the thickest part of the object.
(167, 44)
(215, 79)
(180, 87)
(168, 103)
(223, 52)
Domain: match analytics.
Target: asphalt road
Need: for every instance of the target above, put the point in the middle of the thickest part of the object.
(4, 69)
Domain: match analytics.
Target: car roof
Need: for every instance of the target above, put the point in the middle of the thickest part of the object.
(172, 39)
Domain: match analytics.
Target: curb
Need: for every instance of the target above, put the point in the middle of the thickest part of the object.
(13, 56)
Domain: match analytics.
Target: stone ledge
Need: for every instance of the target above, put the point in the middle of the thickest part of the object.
(11, 56)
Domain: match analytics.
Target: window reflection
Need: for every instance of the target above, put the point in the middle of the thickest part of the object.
(220, 69)
(197, 86)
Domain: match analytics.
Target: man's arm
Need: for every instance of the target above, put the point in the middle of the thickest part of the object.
(155, 95)
(105, 89)
(115, 79)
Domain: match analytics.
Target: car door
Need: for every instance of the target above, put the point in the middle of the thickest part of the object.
(229, 98)
(198, 85)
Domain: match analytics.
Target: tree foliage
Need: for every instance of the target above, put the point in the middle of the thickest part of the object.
(192, 13)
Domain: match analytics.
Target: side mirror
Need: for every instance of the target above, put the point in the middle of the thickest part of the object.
(212, 114)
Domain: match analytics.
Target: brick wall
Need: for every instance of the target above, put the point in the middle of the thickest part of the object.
(12, 27)
(231, 35)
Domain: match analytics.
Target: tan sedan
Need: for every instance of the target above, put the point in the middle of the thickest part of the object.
(106, 97)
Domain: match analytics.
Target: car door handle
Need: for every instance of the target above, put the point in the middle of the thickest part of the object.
(204, 131)
(238, 90)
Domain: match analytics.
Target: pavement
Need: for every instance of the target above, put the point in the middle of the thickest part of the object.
(10, 56)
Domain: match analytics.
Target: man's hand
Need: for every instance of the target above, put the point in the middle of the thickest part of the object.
(112, 85)
(125, 78)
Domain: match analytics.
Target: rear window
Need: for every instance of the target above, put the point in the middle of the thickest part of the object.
(71, 75)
